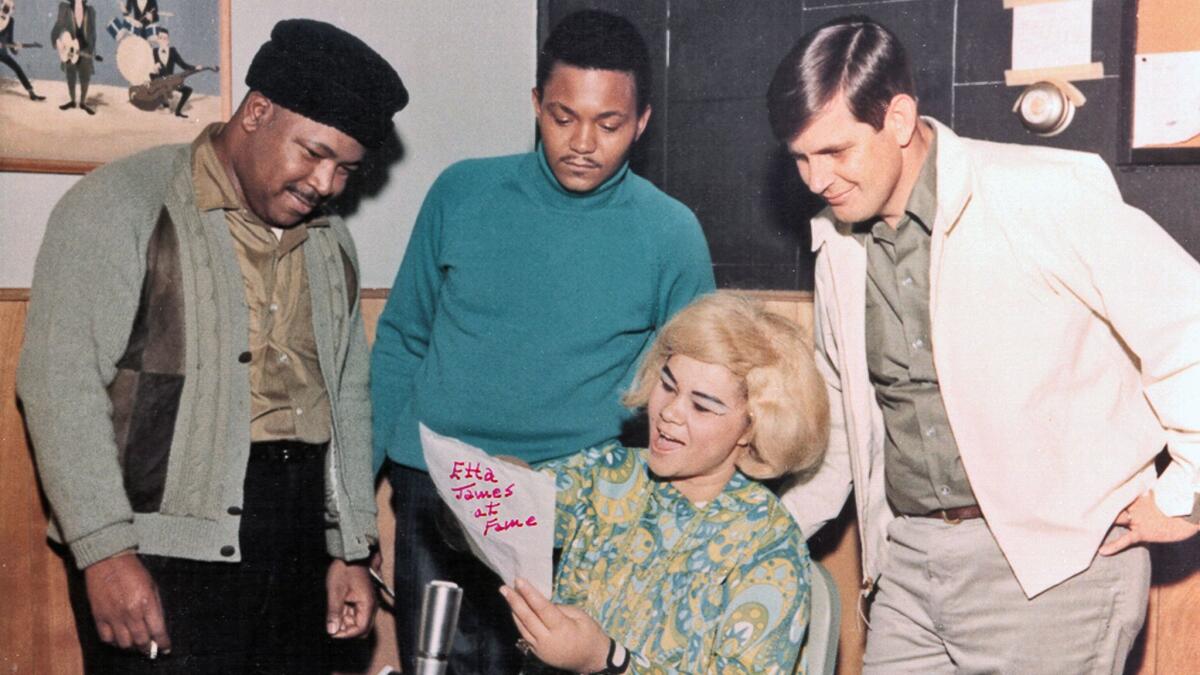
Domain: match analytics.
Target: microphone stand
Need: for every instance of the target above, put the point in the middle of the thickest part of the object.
(439, 621)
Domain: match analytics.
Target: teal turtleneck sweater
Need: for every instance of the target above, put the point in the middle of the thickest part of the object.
(520, 309)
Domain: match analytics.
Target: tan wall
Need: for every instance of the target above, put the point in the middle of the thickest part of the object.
(37, 632)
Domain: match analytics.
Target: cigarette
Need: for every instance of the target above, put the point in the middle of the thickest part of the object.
(381, 583)
(153, 650)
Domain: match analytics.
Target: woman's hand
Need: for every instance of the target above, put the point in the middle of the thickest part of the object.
(561, 636)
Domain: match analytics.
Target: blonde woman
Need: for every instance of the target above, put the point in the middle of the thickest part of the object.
(675, 558)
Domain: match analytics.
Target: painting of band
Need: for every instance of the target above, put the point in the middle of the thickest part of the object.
(83, 82)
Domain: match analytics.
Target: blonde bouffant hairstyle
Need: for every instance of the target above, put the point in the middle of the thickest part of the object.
(785, 395)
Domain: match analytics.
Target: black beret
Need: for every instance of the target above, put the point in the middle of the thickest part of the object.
(326, 74)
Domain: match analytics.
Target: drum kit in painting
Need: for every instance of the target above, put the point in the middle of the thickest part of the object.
(136, 63)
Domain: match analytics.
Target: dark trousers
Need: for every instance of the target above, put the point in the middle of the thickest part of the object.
(265, 614)
(12, 63)
(84, 77)
(486, 638)
(185, 92)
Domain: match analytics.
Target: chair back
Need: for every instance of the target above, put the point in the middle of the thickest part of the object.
(824, 623)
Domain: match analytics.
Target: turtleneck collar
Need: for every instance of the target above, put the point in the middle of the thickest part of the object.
(548, 188)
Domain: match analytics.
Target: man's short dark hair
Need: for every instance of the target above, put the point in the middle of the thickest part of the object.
(597, 40)
(853, 56)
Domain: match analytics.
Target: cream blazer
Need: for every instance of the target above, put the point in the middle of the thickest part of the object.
(1066, 337)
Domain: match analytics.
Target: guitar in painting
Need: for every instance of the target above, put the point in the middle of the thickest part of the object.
(157, 92)
(69, 51)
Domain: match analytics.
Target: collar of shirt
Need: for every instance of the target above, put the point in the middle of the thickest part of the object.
(553, 193)
(214, 190)
(922, 202)
(736, 496)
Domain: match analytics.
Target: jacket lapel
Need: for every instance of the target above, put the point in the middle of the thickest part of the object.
(845, 280)
(954, 187)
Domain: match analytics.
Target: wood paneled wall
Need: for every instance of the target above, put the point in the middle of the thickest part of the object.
(37, 631)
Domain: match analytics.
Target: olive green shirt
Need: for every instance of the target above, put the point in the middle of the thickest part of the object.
(922, 466)
(288, 400)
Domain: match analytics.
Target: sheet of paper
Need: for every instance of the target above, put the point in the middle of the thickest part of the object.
(507, 511)
(1052, 34)
(1166, 98)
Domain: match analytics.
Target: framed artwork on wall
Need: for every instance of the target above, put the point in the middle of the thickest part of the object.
(84, 82)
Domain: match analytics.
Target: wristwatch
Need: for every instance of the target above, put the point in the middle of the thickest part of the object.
(617, 661)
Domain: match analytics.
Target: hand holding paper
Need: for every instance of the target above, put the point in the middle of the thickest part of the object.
(507, 511)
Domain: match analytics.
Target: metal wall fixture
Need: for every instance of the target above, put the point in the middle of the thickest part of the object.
(1047, 107)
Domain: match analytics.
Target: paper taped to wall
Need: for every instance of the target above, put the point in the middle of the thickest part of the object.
(1166, 98)
(1052, 34)
(506, 511)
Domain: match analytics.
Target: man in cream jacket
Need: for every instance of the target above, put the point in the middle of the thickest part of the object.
(1007, 346)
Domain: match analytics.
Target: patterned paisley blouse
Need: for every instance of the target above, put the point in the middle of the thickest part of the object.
(719, 588)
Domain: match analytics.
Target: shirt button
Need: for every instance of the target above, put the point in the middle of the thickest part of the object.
(945, 490)
(940, 626)
(228, 551)
(283, 358)
(235, 510)
(908, 281)
(299, 411)
(244, 357)
(918, 343)
(931, 432)
(273, 307)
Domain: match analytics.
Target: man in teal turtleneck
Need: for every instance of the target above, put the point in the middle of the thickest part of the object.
(530, 287)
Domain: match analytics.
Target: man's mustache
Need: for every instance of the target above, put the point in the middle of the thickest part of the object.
(311, 197)
(581, 161)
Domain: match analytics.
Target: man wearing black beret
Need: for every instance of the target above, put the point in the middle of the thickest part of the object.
(195, 378)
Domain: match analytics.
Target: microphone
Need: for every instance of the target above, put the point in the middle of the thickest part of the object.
(439, 620)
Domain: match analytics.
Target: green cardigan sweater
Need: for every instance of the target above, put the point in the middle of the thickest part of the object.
(91, 291)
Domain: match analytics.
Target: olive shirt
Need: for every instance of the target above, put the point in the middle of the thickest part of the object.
(923, 469)
(288, 400)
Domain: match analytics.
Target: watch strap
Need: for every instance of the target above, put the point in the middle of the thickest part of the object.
(617, 661)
